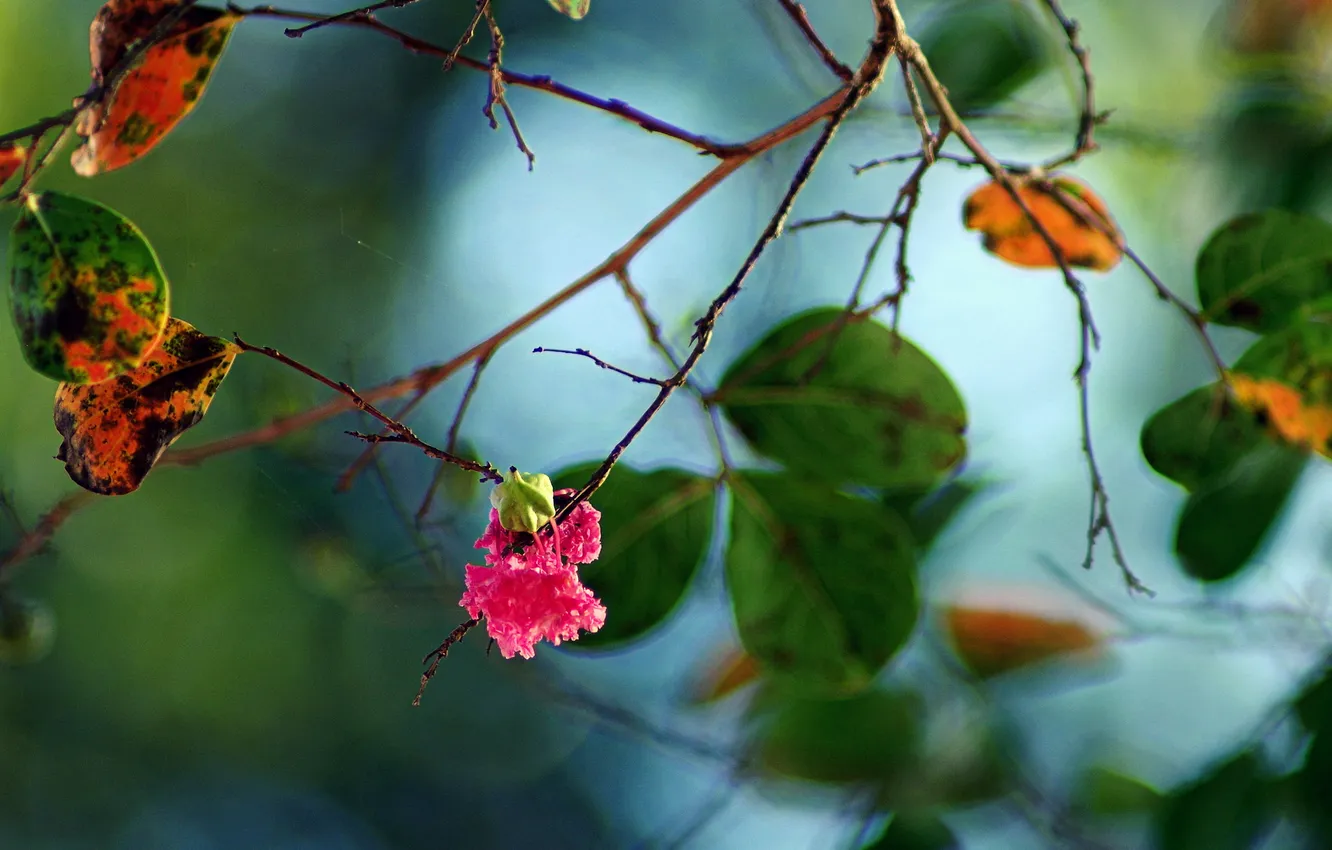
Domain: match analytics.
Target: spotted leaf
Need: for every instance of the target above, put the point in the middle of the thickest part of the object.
(87, 293)
(115, 431)
(162, 87)
(573, 8)
(12, 157)
(1075, 218)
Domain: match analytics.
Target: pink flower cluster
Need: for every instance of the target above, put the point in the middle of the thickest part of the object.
(529, 589)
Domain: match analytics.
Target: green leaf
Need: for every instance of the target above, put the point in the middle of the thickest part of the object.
(1223, 524)
(928, 512)
(656, 528)
(858, 404)
(915, 831)
(86, 291)
(1200, 436)
(1264, 271)
(984, 51)
(823, 584)
(1103, 791)
(1312, 784)
(1226, 809)
(871, 737)
(1299, 356)
(1315, 704)
(573, 8)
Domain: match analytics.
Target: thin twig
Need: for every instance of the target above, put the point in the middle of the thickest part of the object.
(1084, 143)
(366, 12)
(797, 13)
(482, 6)
(439, 654)
(867, 78)
(495, 96)
(400, 433)
(927, 143)
(540, 82)
(583, 352)
(37, 537)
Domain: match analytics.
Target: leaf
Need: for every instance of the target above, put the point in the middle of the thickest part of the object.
(991, 642)
(657, 528)
(12, 157)
(915, 831)
(1287, 378)
(87, 293)
(928, 512)
(1224, 523)
(115, 431)
(871, 737)
(823, 585)
(1104, 791)
(983, 52)
(162, 87)
(1315, 704)
(1312, 782)
(1200, 436)
(1227, 809)
(1264, 271)
(857, 405)
(1075, 218)
(725, 674)
(573, 8)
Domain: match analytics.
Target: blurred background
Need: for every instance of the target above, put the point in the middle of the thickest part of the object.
(233, 650)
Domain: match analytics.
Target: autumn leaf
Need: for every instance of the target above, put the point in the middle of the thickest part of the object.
(12, 157)
(87, 293)
(115, 431)
(1290, 416)
(724, 674)
(573, 8)
(991, 641)
(1075, 218)
(1286, 377)
(161, 88)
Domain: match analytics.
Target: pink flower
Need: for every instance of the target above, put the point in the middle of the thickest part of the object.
(529, 589)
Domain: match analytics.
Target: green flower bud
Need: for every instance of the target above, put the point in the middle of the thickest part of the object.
(525, 502)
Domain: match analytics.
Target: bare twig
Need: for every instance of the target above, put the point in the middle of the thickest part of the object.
(927, 144)
(451, 445)
(618, 108)
(35, 539)
(797, 13)
(1088, 118)
(583, 352)
(482, 6)
(495, 96)
(365, 12)
(439, 654)
(887, 34)
(400, 433)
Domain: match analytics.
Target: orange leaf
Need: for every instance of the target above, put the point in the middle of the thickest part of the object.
(995, 641)
(12, 157)
(1289, 415)
(1075, 218)
(115, 431)
(161, 88)
(725, 674)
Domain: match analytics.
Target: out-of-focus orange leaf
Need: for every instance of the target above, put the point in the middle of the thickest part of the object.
(1290, 416)
(12, 157)
(1072, 214)
(724, 674)
(161, 88)
(1276, 26)
(115, 431)
(995, 641)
